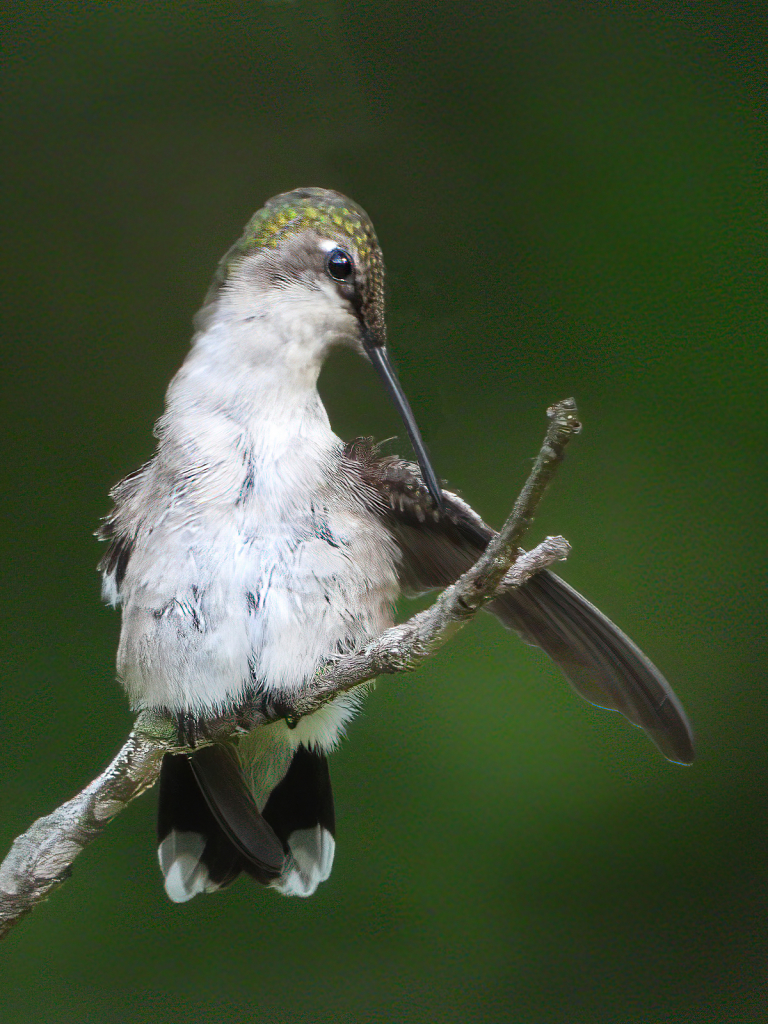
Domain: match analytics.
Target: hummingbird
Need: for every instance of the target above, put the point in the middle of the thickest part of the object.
(255, 547)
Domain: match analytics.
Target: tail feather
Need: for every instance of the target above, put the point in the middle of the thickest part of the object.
(300, 810)
(181, 861)
(219, 775)
(194, 853)
(601, 663)
(210, 830)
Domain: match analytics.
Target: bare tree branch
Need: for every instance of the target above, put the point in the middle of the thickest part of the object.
(403, 648)
(40, 859)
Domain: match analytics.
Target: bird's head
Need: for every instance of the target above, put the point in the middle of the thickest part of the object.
(310, 261)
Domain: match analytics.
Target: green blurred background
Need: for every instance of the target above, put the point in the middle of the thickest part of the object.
(571, 200)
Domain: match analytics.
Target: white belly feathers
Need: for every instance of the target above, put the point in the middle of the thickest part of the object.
(222, 597)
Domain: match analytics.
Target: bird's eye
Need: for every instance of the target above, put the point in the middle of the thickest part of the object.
(339, 265)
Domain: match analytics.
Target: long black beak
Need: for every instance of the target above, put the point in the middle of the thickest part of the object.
(380, 359)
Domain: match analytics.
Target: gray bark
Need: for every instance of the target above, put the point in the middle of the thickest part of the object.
(41, 859)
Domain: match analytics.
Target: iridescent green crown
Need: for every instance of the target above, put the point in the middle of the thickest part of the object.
(330, 213)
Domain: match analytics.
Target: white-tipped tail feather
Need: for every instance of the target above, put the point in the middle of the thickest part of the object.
(218, 817)
(184, 873)
(311, 861)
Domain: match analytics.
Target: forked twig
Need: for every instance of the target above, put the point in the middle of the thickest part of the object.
(40, 859)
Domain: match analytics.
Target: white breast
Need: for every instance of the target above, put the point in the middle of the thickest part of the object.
(254, 565)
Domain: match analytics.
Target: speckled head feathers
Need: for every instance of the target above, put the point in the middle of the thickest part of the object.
(292, 244)
(331, 215)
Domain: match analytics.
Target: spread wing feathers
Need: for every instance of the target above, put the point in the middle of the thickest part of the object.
(599, 661)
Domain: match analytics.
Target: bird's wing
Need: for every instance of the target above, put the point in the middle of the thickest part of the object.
(118, 528)
(599, 661)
